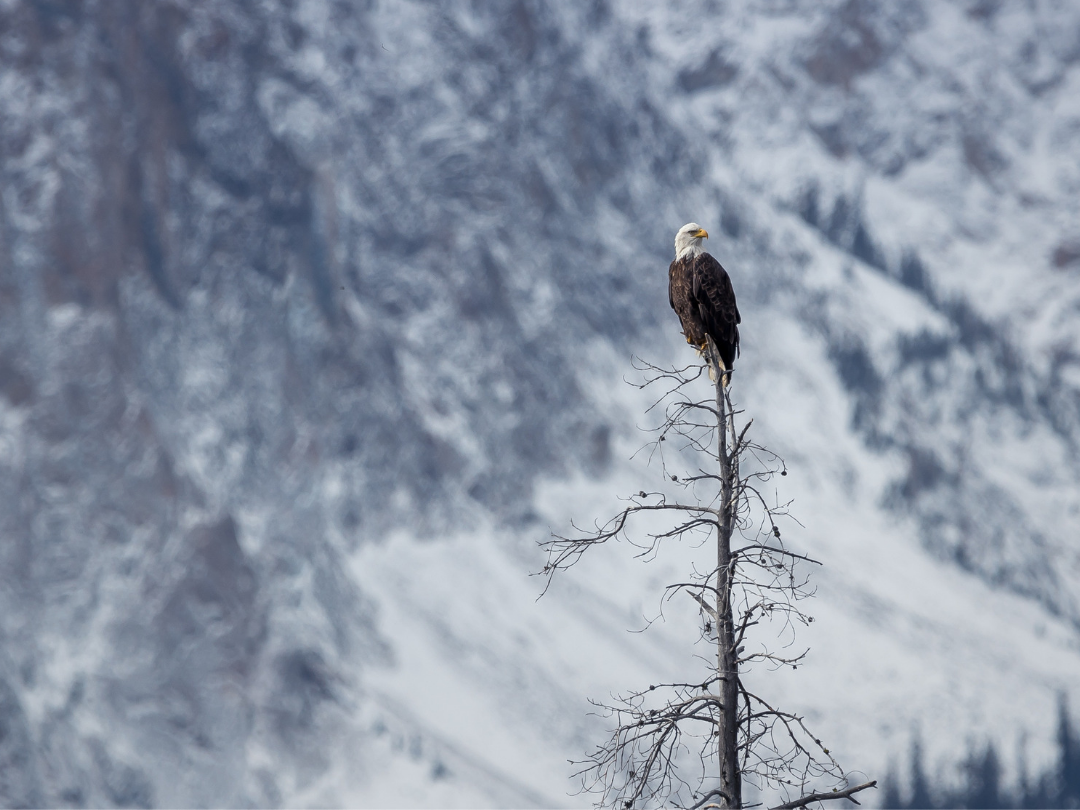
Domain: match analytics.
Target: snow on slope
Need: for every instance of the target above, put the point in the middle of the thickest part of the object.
(908, 136)
(313, 318)
(903, 644)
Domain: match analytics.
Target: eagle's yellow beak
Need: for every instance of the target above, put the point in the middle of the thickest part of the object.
(700, 233)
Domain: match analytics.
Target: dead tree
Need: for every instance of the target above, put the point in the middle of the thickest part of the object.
(694, 744)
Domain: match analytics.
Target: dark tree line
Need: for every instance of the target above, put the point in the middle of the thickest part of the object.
(982, 786)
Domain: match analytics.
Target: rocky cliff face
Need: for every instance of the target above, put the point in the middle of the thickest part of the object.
(278, 280)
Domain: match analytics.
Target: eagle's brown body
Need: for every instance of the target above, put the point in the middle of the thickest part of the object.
(700, 292)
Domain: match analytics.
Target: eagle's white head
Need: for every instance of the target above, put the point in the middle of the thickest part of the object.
(688, 240)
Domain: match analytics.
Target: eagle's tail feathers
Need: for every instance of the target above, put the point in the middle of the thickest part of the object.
(725, 372)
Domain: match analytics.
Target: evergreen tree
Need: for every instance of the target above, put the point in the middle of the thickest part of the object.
(920, 786)
(983, 789)
(1068, 775)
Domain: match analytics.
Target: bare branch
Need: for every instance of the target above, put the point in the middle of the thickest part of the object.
(704, 605)
(847, 793)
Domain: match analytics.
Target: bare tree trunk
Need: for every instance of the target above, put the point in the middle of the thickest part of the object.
(644, 761)
(727, 667)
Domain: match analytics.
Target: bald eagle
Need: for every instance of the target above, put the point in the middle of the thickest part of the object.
(700, 292)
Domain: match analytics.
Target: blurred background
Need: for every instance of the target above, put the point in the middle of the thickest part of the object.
(314, 319)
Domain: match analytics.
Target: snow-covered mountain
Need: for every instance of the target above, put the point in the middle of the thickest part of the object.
(314, 317)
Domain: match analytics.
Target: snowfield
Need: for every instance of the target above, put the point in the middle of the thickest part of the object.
(314, 321)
